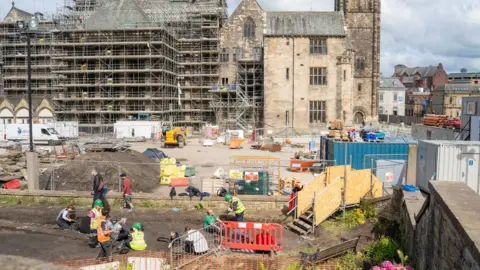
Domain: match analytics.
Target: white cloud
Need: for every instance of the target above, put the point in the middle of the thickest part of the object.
(414, 32)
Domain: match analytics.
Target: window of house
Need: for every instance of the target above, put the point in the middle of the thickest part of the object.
(249, 28)
(380, 110)
(318, 46)
(224, 81)
(287, 74)
(344, 75)
(237, 54)
(395, 97)
(380, 97)
(451, 100)
(471, 108)
(257, 53)
(318, 76)
(359, 87)
(225, 55)
(317, 112)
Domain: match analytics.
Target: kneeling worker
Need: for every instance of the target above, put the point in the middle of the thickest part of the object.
(235, 205)
(63, 219)
(138, 238)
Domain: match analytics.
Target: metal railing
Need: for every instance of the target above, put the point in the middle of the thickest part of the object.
(194, 245)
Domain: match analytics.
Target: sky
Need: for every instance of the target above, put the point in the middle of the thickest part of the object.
(413, 32)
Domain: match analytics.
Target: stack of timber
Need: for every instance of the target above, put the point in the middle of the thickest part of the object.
(435, 120)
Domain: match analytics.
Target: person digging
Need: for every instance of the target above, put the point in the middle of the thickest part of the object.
(235, 205)
(64, 220)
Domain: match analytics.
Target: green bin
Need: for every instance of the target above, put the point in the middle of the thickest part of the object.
(260, 187)
(190, 171)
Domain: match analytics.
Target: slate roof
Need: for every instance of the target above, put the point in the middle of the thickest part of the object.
(460, 81)
(391, 83)
(331, 23)
(458, 87)
(15, 14)
(117, 14)
(423, 71)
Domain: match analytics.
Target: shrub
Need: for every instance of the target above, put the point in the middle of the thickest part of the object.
(381, 250)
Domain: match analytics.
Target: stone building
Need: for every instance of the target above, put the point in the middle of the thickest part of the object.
(316, 66)
(391, 97)
(447, 99)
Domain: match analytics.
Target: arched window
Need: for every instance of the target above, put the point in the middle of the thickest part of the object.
(249, 28)
(359, 62)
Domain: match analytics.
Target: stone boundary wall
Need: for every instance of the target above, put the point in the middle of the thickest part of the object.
(252, 203)
(442, 229)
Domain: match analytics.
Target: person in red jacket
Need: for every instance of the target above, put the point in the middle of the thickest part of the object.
(127, 192)
(293, 202)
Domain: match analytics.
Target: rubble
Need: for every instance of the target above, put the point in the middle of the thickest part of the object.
(100, 144)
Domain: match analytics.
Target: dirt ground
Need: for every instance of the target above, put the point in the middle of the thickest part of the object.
(76, 174)
(28, 231)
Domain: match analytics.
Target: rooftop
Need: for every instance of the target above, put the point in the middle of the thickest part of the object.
(402, 70)
(329, 23)
(470, 75)
(386, 82)
(458, 87)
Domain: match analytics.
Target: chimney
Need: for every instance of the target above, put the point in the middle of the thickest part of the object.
(399, 68)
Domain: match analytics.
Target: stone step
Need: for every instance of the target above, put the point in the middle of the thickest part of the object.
(296, 229)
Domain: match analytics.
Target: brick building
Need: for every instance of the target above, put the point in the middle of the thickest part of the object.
(427, 78)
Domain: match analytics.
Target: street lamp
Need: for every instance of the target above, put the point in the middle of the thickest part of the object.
(27, 29)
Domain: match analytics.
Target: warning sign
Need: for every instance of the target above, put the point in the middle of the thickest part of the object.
(236, 175)
(388, 177)
(251, 176)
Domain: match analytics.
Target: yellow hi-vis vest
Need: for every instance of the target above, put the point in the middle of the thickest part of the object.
(240, 206)
(94, 221)
(138, 241)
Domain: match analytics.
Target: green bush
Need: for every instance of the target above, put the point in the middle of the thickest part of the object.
(349, 261)
(384, 249)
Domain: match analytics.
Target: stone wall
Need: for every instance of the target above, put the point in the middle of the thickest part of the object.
(442, 229)
(273, 204)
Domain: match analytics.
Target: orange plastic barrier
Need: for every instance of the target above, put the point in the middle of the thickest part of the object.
(179, 182)
(252, 236)
(236, 143)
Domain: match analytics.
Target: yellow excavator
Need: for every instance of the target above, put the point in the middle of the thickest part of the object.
(173, 136)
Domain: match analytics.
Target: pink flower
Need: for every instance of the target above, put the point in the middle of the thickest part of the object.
(409, 268)
(387, 264)
(376, 268)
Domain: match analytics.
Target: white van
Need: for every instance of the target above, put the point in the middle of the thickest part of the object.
(42, 134)
(67, 129)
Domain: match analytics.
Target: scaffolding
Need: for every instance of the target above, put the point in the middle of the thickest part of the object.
(100, 61)
(240, 105)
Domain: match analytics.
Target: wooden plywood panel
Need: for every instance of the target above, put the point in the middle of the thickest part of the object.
(305, 196)
(359, 183)
(334, 172)
(328, 201)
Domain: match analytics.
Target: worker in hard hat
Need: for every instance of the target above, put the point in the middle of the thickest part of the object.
(235, 205)
(138, 238)
(95, 214)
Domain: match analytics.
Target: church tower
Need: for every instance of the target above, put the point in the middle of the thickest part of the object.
(363, 24)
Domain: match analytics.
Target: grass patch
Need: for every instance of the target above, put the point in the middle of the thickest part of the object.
(43, 202)
(7, 200)
(349, 261)
(339, 221)
(66, 201)
(148, 204)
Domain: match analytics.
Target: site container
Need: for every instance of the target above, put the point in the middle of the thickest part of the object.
(422, 132)
(448, 161)
(363, 153)
(132, 129)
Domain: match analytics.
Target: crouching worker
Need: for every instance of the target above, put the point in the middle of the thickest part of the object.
(63, 219)
(195, 242)
(211, 223)
(235, 205)
(138, 238)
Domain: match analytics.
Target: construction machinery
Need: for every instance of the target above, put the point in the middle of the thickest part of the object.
(173, 136)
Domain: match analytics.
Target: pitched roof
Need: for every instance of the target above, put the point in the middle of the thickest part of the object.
(116, 14)
(411, 71)
(458, 87)
(386, 82)
(16, 14)
(329, 23)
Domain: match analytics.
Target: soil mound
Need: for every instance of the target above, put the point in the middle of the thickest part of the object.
(76, 174)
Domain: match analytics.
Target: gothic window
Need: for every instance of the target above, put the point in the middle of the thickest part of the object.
(359, 63)
(249, 28)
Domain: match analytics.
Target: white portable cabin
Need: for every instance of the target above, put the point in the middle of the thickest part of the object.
(132, 129)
